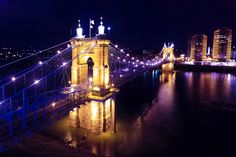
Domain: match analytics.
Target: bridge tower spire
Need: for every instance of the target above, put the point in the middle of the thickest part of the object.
(79, 31)
(101, 28)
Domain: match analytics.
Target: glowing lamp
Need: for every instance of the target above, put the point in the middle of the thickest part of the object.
(64, 63)
(72, 89)
(36, 81)
(13, 78)
(53, 104)
(90, 80)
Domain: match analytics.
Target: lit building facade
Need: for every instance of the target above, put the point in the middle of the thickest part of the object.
(222, 44)
(198, 47)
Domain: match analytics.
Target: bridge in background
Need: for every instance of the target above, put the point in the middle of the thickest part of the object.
(82, 77)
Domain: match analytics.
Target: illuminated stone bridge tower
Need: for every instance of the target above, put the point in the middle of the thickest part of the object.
(168, 52)
(98, 115)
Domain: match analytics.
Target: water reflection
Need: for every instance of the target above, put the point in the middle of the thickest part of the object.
(169, 124)
(209, 87)
(92, 126)
(97, 117)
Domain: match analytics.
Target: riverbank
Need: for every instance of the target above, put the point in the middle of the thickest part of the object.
(204, 68)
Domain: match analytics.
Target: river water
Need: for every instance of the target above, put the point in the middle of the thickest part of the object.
(160, 114)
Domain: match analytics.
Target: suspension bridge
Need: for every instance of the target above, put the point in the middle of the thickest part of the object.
(84, 72)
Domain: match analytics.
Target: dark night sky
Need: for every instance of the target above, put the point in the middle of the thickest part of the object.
(135, 23)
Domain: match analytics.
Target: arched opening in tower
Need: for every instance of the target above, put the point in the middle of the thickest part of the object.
(90, 67)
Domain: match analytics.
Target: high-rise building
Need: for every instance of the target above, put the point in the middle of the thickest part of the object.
(198, 47)
(222, 44)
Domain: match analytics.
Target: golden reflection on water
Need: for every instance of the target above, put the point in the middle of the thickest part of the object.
(97, 117)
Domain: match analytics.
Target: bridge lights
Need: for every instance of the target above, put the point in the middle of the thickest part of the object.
(64, 63)
(121, 50)
(53, 104)
(90, 81)
(68, 45)
(108, 28)
(72, 90)
(40, 62)
(127, 55)
(58, 52)
(13, 79)
(36, 81)
(116, 46)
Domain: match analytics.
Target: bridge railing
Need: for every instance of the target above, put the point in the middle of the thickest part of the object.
(33, 114)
